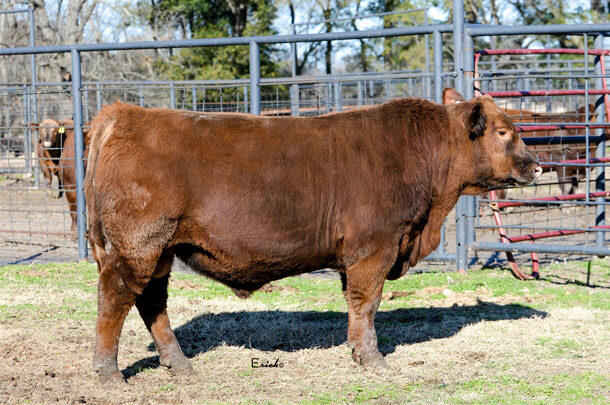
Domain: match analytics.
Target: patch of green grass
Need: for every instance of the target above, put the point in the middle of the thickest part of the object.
(508, 389)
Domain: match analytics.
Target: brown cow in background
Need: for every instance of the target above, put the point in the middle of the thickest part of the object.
(246, 200)
(51, 138)
(567, 176)
(55, 150)
(67, 167)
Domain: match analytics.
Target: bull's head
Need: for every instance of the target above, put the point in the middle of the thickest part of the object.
(49, 131)
(500, 157)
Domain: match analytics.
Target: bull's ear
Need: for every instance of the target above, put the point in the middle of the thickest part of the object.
(33, 125)
(476, 121)
(452, 96)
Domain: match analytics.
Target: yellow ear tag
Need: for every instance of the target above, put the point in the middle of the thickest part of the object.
(61, 130)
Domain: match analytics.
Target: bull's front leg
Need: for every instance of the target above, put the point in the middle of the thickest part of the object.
(363, 285)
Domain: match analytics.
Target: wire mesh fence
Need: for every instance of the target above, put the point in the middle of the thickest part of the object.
(559, 106)
(558, 102)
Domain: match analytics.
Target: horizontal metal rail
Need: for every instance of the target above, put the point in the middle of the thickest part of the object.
(495, 30)
(553, 51)
(551, 234)
(537, 93)
(544, 200)
(535, 248)
(207, 42)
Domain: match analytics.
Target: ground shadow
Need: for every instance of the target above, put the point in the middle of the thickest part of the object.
(292, 330)
(555, 279)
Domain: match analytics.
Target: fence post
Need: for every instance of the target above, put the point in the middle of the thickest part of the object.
(437, 42)
(338, 101)
(255, 77)
(294, 88)
(427, 90)
(438, 67)
(460, 208)
(98, 96)
(28, 135)
(34, 95)
(172, 95)
(194, 98)
(600, 178)
(77, 104)
(468, 67)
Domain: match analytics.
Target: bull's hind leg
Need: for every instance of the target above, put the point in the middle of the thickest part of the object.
(152, 304)
(362, 288)
(115, 298)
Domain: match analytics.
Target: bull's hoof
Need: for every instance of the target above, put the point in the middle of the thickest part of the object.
(114, 377)
(178, 366)
(372, 361)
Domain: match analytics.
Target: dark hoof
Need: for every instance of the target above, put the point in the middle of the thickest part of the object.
(178, 367)
(183, 369)
(111, 378)
(372, 361)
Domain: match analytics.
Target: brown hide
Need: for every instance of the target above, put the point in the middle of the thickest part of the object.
(246, 200)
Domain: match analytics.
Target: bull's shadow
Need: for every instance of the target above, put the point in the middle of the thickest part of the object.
(292, 330)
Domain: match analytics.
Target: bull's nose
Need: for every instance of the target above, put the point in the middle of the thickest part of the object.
(537, 172)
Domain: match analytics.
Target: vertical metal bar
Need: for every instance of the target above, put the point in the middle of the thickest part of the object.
(33, 99)
(438, 66)
(360, 93)
(141, 93)
(33, 64)
(338, 101)
(458, 29)
(437, 40)
(600, 178)
(28, 137)
(460, 212)
(470, 203)
(245, 99)
(86, 105)
(549, 82)
(172, 96)
(255, 77)
(78, 153)
(294, 88)
(494, 64)
(427, 90)
(194, 98)
(98, 97)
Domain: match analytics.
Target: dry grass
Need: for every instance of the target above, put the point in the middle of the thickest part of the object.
(484, 338)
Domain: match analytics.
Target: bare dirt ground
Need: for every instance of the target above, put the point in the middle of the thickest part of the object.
(485, 338)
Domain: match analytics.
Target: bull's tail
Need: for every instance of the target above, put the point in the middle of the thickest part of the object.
(101, 128)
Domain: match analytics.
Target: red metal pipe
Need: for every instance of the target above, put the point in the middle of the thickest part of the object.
(550, 234)
(558, 51)
(604, 86)
(509, 256)
(592, 160)
(522, 93)
(566, 197)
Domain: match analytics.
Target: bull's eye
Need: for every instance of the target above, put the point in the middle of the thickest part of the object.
(502, 132)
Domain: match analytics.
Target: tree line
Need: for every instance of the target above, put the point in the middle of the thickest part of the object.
(77, 21)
